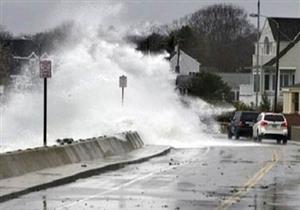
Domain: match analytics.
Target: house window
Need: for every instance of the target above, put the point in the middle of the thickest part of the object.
(32, 61)
(293, 79)
(267, 46)
(232, 96)
(256, 83)
(267, 82)
(273, 81)
(284, 80)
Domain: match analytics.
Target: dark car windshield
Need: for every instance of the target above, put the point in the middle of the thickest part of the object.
(272, 117)
(249, 116)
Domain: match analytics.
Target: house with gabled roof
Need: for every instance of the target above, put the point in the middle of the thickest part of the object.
(187, 64)
(289, 59)
(186, 67)
(234, 81)
(25, 56)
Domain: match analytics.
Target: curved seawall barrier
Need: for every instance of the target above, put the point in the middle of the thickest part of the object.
(25, 161)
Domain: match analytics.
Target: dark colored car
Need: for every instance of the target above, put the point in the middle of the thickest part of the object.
(242, 124)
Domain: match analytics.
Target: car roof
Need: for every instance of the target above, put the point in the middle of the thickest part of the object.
(272, 113)
(248, 112)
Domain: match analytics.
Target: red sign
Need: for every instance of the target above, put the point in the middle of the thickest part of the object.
(45, 68)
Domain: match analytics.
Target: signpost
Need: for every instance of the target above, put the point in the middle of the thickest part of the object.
(123, 84)
(45, 72)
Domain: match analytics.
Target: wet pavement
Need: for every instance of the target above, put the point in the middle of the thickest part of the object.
(237, 176)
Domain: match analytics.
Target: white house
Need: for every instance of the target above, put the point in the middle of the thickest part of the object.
(187, 64)
(236, 81)
(291, 99)
(289, 59)
(29, 74)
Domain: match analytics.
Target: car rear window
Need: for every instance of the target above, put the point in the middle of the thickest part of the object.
(272, 117)
(249, 116)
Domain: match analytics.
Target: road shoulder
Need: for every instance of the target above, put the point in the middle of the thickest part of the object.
(17, 186)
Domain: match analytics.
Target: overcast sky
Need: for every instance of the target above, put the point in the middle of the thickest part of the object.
(29, 16)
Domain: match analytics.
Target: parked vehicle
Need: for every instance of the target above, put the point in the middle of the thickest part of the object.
(241, 124)
(271, 126)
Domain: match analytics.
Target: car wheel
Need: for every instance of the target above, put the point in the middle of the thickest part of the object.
(254, 138)
(284, 140)
(259, 137)
(236, 135)
(278, 141)
(229, 134)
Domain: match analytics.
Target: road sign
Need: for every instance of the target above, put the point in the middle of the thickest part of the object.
(122, 84)
(45, 68)
(123, 81)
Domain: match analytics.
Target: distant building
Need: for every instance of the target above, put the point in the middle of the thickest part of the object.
(185, 67)
(289, 60)
(234, 81)
(19, 48)
(291, 99)
(187, 64)
(24, 62)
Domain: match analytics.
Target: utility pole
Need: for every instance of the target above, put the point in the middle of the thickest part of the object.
(257, 81)
(277, 65)
(177, 68)
(1, 13)
(148, 45)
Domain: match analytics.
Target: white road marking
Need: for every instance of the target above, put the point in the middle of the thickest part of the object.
(67, 206)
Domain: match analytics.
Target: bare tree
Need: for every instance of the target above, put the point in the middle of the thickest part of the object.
(4, 64)
(224, 33)
(4, 34)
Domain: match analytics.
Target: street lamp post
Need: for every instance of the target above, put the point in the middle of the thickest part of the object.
(257, 82)
(277, 64)
(277, 56)
(177, 67)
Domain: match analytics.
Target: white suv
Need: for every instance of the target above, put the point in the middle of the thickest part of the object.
(270, 126)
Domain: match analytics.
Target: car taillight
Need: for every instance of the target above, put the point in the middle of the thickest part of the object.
(241, 124)
(284, 125)
(263, 123)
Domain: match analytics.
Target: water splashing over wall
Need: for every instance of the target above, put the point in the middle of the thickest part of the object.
(84, 99)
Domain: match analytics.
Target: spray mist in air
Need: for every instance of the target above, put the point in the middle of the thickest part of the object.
(84, 98)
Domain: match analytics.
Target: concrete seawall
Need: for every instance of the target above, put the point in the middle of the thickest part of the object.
(25, 161)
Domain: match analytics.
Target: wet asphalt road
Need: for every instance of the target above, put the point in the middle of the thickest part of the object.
(238, 176)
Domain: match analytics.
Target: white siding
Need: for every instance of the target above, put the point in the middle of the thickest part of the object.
(187, 63)
(292, 59)
(246, 94)
(264, 58)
